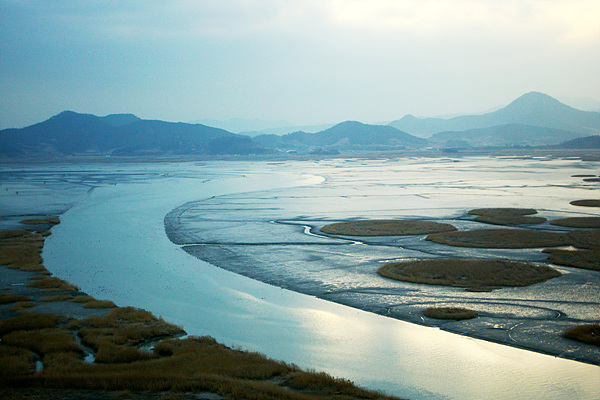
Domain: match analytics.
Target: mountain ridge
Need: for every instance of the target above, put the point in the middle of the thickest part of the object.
(533, 108)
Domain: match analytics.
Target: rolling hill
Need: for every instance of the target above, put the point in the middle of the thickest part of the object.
(349, 135)
(70, 133)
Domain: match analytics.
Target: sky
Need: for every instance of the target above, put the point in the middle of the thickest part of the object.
(303, 61)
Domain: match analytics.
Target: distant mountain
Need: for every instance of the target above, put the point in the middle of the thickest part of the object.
(502, 135)
(586, 143)
(349, 135)
(70, 133)
(119, 119)
(534, 109)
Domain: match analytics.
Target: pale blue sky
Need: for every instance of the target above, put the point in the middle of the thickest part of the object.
(305, 61)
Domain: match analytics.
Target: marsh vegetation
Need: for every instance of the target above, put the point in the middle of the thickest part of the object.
(386, 228)
(468, 272)
(453, 313)
(507, 216)
(121, 360)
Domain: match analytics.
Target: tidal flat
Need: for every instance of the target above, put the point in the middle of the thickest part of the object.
(262, 220)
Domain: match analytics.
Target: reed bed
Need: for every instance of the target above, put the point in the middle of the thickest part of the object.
(502, 238)
(578, 222)
(586, 259)
(507, 216)
(586, 203)
(467, 272)
(386, 228)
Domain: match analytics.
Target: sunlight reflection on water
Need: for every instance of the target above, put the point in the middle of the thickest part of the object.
(112, 244)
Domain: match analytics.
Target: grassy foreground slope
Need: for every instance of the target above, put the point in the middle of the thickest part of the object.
(124, 352)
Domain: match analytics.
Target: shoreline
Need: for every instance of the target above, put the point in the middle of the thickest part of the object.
(21, 296)
(104, 211)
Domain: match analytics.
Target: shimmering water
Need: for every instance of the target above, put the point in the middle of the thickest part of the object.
(113, 245)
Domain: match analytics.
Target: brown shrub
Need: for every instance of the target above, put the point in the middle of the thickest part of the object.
(386, 228)
(99, 304)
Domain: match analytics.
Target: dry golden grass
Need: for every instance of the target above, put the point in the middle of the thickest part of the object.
(586, 239)
(53, 284)
(589, 333)
(8, 298)
(586, 259)
(83, 298)
(386, 228)
(99, 304)
(191, 364)
(455, 313)
(21, 306)
(506, 216)
(466, 272)
(501, 238)
(578, 222)
(55, 298)
(586, 203)
(43, 341)
(28, 322)
(16, 361)
(21, 249)
(91, 302)
(41, 221)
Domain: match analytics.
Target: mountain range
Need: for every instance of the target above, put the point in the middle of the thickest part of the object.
(533, 119)
(532, 109)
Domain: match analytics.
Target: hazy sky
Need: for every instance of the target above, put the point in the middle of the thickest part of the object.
(305, 61)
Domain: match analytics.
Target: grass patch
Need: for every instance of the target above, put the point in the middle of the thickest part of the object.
(586, 203)
(21, 249)
(41, 221)
(16, 361)
(386, 228)
(586, 239)
(501, 238)
(578, 222)
(91, 302)
(8, 298)
(28, 322)
(53, 284)
(589, 333)
(44, 341)
(55, 298)
(506, 216)
(586, 259)
(466, 272)
(21, 306)
(454, 313)
(125, 326)
(99, 304)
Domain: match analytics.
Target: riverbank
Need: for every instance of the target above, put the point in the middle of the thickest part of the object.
(52, 340)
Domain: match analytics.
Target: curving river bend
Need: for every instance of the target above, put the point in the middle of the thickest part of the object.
(112, 244)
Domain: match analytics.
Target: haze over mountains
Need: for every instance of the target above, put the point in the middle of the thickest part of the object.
(533, 119)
